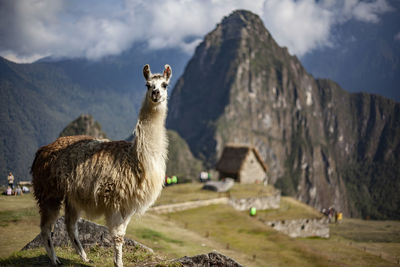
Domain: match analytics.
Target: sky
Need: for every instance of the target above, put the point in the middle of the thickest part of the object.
(32, 29)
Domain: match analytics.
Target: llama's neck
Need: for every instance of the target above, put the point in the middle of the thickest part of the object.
(150, 132)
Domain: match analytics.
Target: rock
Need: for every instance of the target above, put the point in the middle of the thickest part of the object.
(90, 234)
(210, 259)
(219, 186)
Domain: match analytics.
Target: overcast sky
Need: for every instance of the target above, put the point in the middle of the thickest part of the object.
(31, 29)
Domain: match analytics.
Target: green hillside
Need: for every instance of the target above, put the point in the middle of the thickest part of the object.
(39, 100)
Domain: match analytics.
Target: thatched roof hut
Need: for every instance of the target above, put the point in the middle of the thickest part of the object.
(242, 163)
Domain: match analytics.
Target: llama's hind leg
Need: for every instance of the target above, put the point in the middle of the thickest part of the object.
(48, 215)
(71, 219)
(117, 225)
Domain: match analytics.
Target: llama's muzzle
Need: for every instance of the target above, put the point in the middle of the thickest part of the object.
(155, 95)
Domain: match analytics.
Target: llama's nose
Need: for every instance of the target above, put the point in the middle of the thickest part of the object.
(155, 95)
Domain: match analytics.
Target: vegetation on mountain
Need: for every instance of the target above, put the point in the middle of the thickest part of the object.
(181, 161)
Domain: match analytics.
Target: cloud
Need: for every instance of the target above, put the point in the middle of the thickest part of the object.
(369, 11)
(301, 25)
(30, 29)
(304, 25)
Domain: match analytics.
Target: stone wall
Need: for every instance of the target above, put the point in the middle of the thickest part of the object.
(260, 203)
(302, 227)
(188, 205)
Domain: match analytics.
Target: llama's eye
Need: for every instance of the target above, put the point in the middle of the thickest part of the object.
(149, 86)
(164, 85)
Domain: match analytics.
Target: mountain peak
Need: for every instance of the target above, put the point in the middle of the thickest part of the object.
(240, 22)
(244, 17)
(85, 124)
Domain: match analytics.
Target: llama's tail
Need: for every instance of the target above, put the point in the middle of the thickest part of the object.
(44, 186)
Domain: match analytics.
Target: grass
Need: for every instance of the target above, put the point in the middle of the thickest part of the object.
(247, 235)
(369, 231)
(289, 209)
(217, 227)
(98, 256)
(184, 192)
(244, 235)
(12, 203)
(251, 190)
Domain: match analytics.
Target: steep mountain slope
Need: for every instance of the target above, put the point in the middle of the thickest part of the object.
(241, 87)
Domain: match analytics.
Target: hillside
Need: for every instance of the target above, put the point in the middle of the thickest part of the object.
(322, 144)
(38, 100)
(181, 161)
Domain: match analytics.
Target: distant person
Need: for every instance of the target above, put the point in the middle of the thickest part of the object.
(9, 191)
(18, 191)
(10, 179)
(25, 189)
(339, 217)
(203, 176)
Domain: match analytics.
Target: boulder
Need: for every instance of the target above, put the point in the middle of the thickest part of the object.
(219, 186)
(213, 259)
(90, 234)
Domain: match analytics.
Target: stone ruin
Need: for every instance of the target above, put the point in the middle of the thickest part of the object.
(302, 227)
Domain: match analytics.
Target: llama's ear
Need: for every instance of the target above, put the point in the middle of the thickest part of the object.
(146, 72)
(167, 72)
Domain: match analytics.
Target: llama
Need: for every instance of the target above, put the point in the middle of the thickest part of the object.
(100, 177)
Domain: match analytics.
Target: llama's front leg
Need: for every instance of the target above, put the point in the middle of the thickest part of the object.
(117, 225)
(71, 219)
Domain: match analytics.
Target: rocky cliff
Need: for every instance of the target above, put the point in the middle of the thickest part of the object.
(322, 144)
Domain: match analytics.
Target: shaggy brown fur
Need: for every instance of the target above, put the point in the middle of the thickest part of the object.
(117, 179)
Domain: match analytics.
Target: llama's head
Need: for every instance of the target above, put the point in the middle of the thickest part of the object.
(157, 84)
